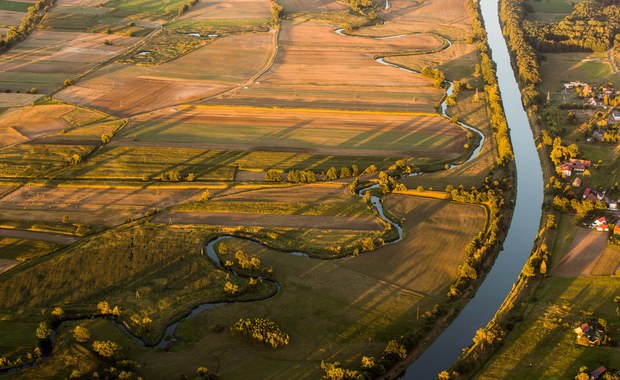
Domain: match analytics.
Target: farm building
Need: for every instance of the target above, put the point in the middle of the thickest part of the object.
(577, 182)
(588, 335)
(597, 373)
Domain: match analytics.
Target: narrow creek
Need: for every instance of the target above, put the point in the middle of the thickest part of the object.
(523, 229)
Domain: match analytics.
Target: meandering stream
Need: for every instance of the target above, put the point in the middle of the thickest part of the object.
(209, 249)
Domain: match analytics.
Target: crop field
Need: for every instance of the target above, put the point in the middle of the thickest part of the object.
(558, 68)
(343, 308)
(91, 206)
(457, 62)
(12, 12)
(47, 58)
(125, 89)
(445, 17)
(18, 125)
(349, 79)
(303, 131)
(543, 345)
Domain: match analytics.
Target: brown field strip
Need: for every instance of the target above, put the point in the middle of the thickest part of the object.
(125, 89)
(228, 9)
(582, 255)
(231, 219)
(108, 206)
(35, 235)
(5, 264)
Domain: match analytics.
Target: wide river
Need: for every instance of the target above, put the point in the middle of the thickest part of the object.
(523, 229)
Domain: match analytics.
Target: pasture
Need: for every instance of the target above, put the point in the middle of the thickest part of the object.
(557, 68)
(125, 89)
(47, 58)
(304, 131)
(334, 309)
(543, 344)
(348, 77)
(550, 10)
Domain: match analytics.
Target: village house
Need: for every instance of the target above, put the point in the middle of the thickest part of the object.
(574, 84)
(613, 205)
(617, 229)
(577, 182)
(573, 165)
(588, 335)
(586, 192)
(615, 115)
(601, 224)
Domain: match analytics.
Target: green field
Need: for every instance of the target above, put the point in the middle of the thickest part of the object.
(543, 344)
(558, 68)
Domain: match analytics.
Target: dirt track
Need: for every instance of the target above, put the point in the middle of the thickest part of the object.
(582, 254)
(267, 220)
(33, 235)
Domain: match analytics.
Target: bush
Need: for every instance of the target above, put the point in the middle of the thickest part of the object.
(68, 82)
(261, 330)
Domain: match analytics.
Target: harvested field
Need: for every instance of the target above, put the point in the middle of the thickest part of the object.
(124, 89)
(11, 18)
(457, 62)
(26, 123)
(582, 254)
(432, 247)
(302, 131)
(104, 206)
(46, 58)
(446, 17)
(228, 9)
(608, 263)
(231, 219)
(315, 67)
(17, 100)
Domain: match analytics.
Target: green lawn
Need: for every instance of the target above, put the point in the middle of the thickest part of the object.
(557, 68)
(544, 344)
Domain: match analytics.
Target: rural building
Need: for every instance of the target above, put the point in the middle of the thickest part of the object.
(574, 84)
(613, 205)
(588, 335)
(616, 116)
(577, 182)
(597, 373)
(617, 229)
(586, 192)
(601, 224)
(566, 169)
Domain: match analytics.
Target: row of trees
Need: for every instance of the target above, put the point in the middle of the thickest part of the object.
(487, 70)
(308, 176)
(29, 23)
(512, 15)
